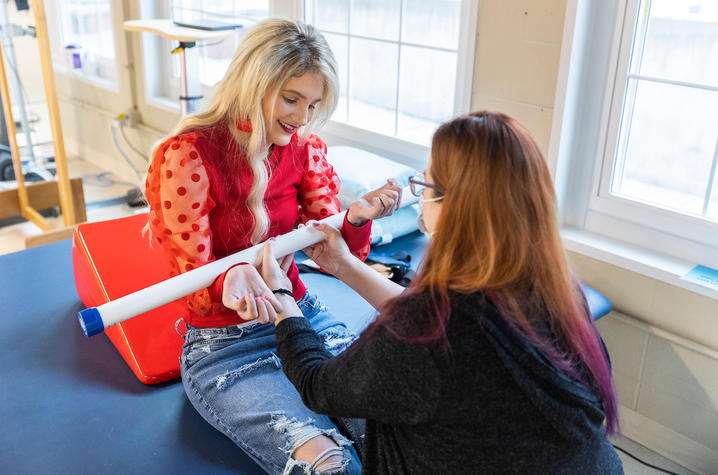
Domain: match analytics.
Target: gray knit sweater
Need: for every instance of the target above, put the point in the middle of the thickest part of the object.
(487, 403)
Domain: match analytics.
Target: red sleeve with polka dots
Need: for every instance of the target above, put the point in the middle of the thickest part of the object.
(318, 196)
(178, 194)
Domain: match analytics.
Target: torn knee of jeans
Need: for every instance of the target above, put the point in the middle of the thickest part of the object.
(331, 460)
(337, 340)
(331, 468)
(223, 381)
(299, 433)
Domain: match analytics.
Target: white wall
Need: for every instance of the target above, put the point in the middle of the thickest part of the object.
(667, 389)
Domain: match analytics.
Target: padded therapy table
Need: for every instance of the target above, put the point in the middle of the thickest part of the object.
(70, 404)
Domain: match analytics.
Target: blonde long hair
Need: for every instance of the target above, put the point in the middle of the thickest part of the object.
(271, 53)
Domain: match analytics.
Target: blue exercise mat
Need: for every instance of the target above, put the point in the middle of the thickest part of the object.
(70, 404)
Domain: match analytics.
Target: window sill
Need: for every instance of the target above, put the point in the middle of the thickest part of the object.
(666, 269)
(407, 153)
(89, 79)
(165, 104)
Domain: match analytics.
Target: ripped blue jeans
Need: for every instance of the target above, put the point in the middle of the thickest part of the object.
(234, 379)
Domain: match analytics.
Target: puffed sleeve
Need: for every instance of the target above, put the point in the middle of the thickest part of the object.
(318, 196)
(178, 192)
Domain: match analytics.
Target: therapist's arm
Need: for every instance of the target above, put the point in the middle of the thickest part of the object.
(333, 255)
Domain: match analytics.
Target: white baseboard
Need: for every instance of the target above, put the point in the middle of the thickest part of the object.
(667, 442)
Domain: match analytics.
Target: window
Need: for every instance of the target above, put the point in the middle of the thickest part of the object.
(397, 62)
(159, 75)
(404, 65)
(667, 145)
(86, 39)
(653, 182)
(214, 57)
(162, 80)
(89, 53)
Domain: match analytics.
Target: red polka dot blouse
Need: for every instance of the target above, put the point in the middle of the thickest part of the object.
(197, 187)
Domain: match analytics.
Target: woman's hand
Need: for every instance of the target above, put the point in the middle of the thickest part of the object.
(375, 204)
(273, 270)
(246, 293)
(332, 253)
(274, 273)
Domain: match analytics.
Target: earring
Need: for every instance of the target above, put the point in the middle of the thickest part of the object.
(244, 125)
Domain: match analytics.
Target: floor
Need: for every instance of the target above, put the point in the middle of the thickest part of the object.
(105, 197)
(633, 467)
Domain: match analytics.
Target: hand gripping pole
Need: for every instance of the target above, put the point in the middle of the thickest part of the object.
(94, 320)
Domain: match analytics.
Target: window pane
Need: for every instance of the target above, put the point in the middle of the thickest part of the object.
(339, 45)
(682, 41)
(255, 9)
(366, 36)
(431, 22)
(328, 15)
(667, 145)
(218, 7)
(220, 10)
(375, 18)
(426, 96)
(186, 9)
(86, 29)
(712, 211)
(214, 56)
(372, 85)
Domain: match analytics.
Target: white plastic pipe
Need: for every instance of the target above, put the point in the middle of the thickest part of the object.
(94, 320)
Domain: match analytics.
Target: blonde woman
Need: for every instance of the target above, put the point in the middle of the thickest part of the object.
(242, 171)
(489, 362)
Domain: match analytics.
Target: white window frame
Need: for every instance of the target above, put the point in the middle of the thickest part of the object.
(248, 23)
(95, 92)
(157, 113)
(605, 208)
(410, 153)
(590, 91)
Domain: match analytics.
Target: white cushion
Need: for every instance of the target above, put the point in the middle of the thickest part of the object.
(361, 171)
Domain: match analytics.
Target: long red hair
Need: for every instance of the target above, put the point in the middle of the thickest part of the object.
(497, 232)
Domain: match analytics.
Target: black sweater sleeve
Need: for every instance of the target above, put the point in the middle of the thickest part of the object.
(378, 377)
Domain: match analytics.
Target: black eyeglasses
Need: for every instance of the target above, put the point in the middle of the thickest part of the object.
(417, 184)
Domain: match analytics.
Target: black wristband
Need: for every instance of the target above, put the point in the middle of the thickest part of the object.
(283, 291)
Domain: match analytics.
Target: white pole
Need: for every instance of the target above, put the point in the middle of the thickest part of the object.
(94, 320)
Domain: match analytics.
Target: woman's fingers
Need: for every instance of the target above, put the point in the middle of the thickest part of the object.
(274, 303)
(309, 250)
(327, 229)
(392, 197)
(271, 311)
(286, 262)
(379, 204)
(251, 312)
(393, 191)
(398, 198)
(262, 315)
(261, 309)
(236, 303)
(268, 261)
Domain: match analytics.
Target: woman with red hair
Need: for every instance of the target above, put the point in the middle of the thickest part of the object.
(489, 362)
